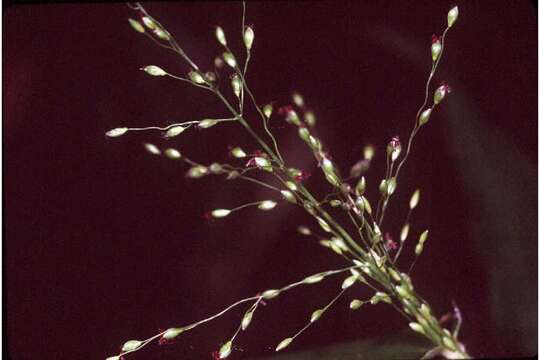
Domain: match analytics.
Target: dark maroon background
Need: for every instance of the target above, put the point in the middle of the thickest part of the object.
(105, 243)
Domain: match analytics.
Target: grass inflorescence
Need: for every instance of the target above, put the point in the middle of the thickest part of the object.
(371, 253)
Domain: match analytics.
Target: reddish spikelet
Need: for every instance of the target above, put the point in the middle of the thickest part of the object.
(445, 318)
(262, 302)
(389, 244)
(251, 162)
(284, 110)
(444, 86)
(304, 175)
(395, 143)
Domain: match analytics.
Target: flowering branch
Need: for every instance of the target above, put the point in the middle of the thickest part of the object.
(370, 254)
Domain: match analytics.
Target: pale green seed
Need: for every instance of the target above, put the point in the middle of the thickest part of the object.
(283, 344)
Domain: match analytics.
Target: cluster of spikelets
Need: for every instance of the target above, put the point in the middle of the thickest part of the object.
(372, 259)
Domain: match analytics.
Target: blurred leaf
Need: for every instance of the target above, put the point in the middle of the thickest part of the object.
(503, 183)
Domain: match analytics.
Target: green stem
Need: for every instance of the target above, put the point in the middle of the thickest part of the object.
(264, 119)
(246, 125)
(331, 221)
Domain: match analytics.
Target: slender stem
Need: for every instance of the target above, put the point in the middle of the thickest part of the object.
(387, 198)
(157, 42)
(172, 41)
(402, 242)
(426, 95)
(137, 6)
(189, 327)
(193, 325)
(189, 161)
(399, 251)
(189, 123)
(323, 311)
(248, 56)
(459, 319)
(359, 228)
(247, 205)
(324, 273)
(259, 182)
(246, 125)
(386, 177)
(263, 117)
(252, 310)
(331, 221)
(181, 52)
(412, 265)
(252, 97)
(189, 81)
(161, 128)
(417, 124)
